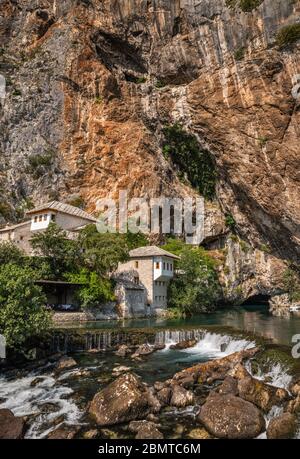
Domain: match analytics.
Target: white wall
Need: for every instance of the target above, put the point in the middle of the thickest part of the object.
(164, 268)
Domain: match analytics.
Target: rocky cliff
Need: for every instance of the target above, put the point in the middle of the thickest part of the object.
(91, 84)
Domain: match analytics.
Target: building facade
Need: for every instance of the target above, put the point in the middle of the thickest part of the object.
(67, 217)
(151, 268)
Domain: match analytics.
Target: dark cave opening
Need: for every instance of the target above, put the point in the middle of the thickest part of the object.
(260, 299)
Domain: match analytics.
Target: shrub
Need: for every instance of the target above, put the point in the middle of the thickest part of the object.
(39, 164)
(288, 35)
(22, 312)
(239, 54)
(291, 282)
(230, 222)
(245, 5)
(192, 162)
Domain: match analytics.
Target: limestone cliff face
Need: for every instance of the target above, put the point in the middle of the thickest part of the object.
(91, 84)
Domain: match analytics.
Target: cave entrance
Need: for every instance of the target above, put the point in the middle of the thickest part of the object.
(257, 300)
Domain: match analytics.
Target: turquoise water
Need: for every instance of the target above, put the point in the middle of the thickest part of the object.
(255, 319)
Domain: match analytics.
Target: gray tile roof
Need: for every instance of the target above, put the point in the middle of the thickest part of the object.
(151, 251)
(64, 208)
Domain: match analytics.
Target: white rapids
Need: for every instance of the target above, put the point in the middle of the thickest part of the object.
(24, 400)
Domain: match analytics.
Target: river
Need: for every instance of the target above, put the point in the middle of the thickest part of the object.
(49, 400)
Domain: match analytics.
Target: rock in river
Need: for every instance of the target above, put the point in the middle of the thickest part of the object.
(11, 427)
(228, 416)
(65, 363)
(181, 397)
(145, 430)
(184, 344)
(284, 426)
(124, 400)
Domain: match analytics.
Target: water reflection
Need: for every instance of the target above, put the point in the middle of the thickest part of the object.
(254, 318)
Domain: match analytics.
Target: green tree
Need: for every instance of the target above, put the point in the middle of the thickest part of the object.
(62, 254)
(196, 287)
(22, 312)
(95, 290)
(10, 253)
(103, 251)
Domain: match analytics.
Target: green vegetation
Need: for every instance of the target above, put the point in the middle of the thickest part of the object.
(196, 288)
(39, 164)
(10, 253)
(245, 5)
(239, 54)
(159, 84)
(98, 99)
(5, 210)
(61, 253)
(230, 222)
(141, 80)
(291, 281)
(288, 35)
(78, 201)
(96, 290)
(22, 312)
(265, 248)
(193, 163)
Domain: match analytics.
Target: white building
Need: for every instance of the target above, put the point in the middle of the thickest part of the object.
(67, 217)
(152, 268)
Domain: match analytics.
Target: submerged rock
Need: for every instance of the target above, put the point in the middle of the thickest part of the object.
(184, 344)
(228, 416)
(11, 427)
(283, 426)
(124, 400)
(145, 430)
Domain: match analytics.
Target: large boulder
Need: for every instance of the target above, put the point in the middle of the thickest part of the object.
(145, 430)
(11, 427)
(214, 370)
(124, 400)
(284, 426)
(255, 391)
(181, 397)
(228, 416)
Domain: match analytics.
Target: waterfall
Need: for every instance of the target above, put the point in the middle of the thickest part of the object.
(212, 345)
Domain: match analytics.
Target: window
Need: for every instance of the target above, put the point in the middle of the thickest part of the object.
(21, 238)
(157, 265)
(164, 265)
(168, 266)
(45, 217)
(136, 280)
(40, 218)
(136, 264)
(35, 219)
(53, 217)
